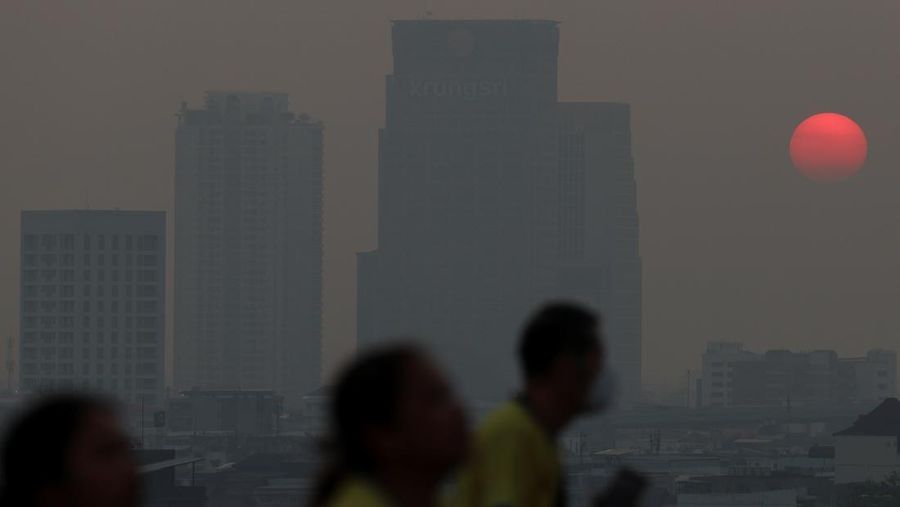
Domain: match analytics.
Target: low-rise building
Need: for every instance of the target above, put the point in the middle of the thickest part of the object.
(716, 383)
(776, 498)
(733, 376)
(247, 411)
(869, 450)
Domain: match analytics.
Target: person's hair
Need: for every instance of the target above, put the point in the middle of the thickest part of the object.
(556, 329)
(37, 444)
(366, 395)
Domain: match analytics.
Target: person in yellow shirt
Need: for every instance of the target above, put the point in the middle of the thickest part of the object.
(398, 430)
(514, 461)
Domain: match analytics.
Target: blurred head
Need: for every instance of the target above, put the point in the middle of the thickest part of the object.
(561, 352)
(393, 408)
(68, 450)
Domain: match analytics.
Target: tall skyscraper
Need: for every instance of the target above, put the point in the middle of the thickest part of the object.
(248, 245)
(93, 302)
(494, 197)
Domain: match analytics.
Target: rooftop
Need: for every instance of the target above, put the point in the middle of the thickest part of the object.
(884, 420)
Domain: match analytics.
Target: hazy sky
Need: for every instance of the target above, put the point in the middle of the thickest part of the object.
(736, 245)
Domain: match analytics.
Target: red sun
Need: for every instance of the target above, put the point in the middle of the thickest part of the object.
(828, 147)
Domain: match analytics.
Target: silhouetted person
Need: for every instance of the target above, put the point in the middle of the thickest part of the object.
(397, 429)
(68, 451)
(514, 462)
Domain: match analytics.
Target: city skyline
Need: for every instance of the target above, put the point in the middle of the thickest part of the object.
(764, 255)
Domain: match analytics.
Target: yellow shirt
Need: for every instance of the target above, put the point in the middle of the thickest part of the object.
(357, 492)
(514, 463)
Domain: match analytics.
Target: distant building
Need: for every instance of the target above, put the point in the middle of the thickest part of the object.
(246, 412)
(869, 450)
(771, 498)
(717, 377)
(160, 485)
(874, 376)
(248, 246)
(93, 302)
(732, 376)
(495, 197)
(314, 416)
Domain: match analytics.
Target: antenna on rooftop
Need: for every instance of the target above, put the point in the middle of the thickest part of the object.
(429, 10)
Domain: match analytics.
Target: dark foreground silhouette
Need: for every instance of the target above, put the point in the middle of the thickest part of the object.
(68, 450)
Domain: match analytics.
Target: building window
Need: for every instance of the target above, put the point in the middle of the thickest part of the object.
(147, 260)
(146, 322)
(48, 242)
(147, 243)
(146, 291)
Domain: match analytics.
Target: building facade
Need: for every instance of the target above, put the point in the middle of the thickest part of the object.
(93, 303)
(253, 412)
(732, 376)
(248, 246)
(495, 197)
(717, 379)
